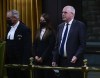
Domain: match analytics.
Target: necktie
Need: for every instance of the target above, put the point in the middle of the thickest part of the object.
(63, 41)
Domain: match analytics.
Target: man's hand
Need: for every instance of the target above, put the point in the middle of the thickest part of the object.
(40, 59)
(36, 57)
(74, 59)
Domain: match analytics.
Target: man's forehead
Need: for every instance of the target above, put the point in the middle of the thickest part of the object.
(66, 9)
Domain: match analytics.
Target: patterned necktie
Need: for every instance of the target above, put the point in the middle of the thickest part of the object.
(63, 41)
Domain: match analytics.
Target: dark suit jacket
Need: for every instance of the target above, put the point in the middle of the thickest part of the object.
(43, 48)
(75, 43)
(18, 50)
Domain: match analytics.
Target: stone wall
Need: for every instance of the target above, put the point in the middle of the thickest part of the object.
(91, 14)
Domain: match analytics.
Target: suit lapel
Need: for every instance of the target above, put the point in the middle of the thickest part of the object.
(71, 29)
(16, 32)
(46, 33)
(61, 31)
(8, 29)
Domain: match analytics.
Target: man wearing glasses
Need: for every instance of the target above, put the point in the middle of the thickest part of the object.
(70, 44)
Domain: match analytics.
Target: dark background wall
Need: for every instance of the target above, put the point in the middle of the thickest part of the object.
(54, 9)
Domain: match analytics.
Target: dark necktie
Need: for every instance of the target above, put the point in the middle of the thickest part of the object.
(63, 41)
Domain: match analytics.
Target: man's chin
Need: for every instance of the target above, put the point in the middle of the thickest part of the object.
(64, 19)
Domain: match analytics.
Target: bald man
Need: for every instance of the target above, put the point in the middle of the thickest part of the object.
(70, 45)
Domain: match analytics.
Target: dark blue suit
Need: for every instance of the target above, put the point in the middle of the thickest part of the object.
(18, 51)
(75, 45)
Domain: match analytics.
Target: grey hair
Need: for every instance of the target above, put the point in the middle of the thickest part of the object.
(15, 13)
(71, 9)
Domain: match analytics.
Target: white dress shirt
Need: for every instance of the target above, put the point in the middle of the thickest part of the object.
(69, 26)
(42, 33)
(11, 33)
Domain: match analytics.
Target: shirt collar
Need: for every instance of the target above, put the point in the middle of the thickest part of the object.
(70, 22)
(16, 25)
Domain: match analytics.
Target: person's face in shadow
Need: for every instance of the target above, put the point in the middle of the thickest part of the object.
(11, 20)
(42, 22)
